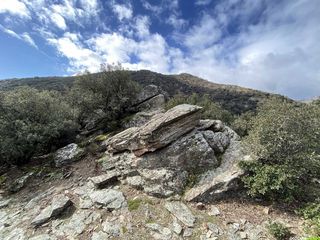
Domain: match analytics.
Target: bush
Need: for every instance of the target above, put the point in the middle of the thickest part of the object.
(210, 110)
(243, 123)
(33, 122)
(278, 231)
(311, 212)
(285, 146)
(105, 96)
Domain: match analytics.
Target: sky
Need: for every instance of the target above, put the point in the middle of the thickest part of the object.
(270, 45)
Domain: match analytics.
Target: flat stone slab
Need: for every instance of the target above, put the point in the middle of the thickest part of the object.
(105, 180)
(58, 205)
(181, 212)
(109, 198)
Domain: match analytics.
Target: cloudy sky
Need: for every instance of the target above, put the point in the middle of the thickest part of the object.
(271, 45)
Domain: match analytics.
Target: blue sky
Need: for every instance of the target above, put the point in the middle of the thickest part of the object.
(271, 45)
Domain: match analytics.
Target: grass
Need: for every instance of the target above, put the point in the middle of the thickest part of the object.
(134, 204)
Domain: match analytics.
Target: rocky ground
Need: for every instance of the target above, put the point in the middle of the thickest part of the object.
(121, 212)
(170, 175)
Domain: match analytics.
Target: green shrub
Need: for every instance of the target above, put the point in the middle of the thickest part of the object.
(285, 147)
(278, 231)
(33, 122)
(243, 123)
(210, 110)
(103, 97)
(311, 212)
(313, 238)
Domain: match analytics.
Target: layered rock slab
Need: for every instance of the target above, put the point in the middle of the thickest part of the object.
(160, 131)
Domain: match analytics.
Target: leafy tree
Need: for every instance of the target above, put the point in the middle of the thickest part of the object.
(211, 110)
(105, 96)
(285, 146)
(33, 122)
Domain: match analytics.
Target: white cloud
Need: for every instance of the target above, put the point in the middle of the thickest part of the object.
(24, 36)
(14, 7)
(202, 2)
(122, 11)
(58, 20)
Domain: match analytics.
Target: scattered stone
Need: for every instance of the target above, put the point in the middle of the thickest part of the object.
(20, 183)
(43, 237)
(105, 180)
(243, 235)
(112, 229)
(109, 198)
(161, 233)
(68, 154)
(187, 232)
(214, 229)
(85, 203)
(266, 210)
(59, 204)
(214, 211)
(99, 236)
(176, 227)
(181, 212)
(136, 182)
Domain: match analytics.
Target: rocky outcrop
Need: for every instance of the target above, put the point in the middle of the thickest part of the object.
(160, 131)
(174, 149)
(68, 154)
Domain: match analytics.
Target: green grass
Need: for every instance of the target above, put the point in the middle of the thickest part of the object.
(134, 204)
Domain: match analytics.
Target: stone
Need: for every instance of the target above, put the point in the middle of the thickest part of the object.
(109, 198)
(105, 180)
(160, 131)
(214, 211)
(181, 212)
(58, 205)
(215, 183)
(68, 154)
(176, 227)
(213, 125)
(99, 236)
(5, 203)
(20, 183)
(243, 235)
(187, 232)
(200, 206)
(85, 203)
(161, 233)
(154, 103)
(187, 153)
(111, 228)
(147, 93)
(43, 237)
(218, 141)
(140, 118)
(214, 229)
(136, 182)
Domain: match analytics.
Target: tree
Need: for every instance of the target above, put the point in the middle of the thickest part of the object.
(285, 146)
(33, 122)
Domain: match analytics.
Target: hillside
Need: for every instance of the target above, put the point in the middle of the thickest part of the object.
(233, 98)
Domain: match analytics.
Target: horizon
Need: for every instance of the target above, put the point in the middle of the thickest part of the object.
(269, 46)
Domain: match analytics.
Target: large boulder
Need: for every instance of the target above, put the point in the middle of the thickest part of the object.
(160, 131)
(68, 154)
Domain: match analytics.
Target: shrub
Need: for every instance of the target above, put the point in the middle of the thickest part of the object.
(210, 110)
(311, 212)
(285, 147)
(278, 231)
(105, 96)
(242, 124)
(33, 122)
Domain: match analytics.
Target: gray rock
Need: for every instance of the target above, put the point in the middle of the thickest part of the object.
(43, 237)
(161, 130)
(58, 205)
(214, 211)
(215, 183)
(187, 232)
(105, 179)
(136, 182)
(111, 228)
(140, 118)
(214, 229)
(161, 233)
(148, 92)
(154, 103)
(20, 183)
(68, 154)
(109, 198)
(99, 236)
(181, 212)
(218, 141)
(213, 125)
(176, 227)
(5, 203)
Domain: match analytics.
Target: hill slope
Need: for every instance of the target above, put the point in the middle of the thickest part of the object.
(233, 98)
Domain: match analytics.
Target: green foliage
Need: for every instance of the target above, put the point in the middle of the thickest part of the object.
(311, 212)
(33, 122)
(134, 204)
(243, 123)
(313, 238)
(211, 110)
(103, 97)
(278, 231)
(285, 146)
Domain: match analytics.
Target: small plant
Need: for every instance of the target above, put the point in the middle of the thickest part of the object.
(278, 231)
(313, 238)
(134, 204)
(311, 212)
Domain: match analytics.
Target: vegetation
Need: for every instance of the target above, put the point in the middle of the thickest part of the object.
(33, 122)
(210, 110)
(311, 212)
(285, 146)
(278, 231)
